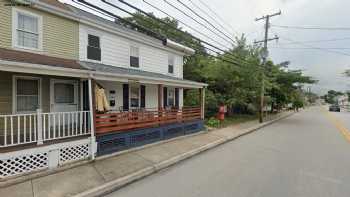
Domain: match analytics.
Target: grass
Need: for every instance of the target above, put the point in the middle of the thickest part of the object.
(236, 119)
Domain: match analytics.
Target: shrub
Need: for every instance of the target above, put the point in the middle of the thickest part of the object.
(213, 122)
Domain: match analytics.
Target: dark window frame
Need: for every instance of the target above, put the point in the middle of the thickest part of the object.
(94, 48)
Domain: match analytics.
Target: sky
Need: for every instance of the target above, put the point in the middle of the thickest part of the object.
(326, 63)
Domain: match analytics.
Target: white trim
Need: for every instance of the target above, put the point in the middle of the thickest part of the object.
(52, 92)
(23, 67)
(15, 12)
(14, 93)
(30, 151)
(139, 53)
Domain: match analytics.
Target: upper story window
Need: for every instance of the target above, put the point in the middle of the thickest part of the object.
(94, 48)
(134, 57)
(27, 30)
(171, 62)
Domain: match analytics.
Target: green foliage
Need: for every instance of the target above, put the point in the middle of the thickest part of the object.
(236, 86)
(331, 96)
(213, 122)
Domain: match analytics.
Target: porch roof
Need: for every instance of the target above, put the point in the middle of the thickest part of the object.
(140, 75)
(33, 58)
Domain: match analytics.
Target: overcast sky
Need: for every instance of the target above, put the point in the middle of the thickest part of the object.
(239, 16)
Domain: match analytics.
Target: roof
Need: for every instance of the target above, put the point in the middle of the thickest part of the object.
(55, 3)
(33, 58)
(133, 72)
(167, 42)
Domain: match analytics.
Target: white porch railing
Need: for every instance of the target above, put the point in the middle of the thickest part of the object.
(39, 127)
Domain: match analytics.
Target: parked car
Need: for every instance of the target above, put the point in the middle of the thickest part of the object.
(334, 108)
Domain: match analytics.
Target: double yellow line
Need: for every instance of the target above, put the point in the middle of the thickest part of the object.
(339, 125)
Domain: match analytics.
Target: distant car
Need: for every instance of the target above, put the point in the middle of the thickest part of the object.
(334, 108)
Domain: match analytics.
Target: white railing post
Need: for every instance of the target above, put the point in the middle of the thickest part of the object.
(39, 127)
(92, 123)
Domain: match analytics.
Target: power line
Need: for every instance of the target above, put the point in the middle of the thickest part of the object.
(118, 17)
(188, 26)
(140, 27)
(217, 15)
(155, 18)
(317, 48)
(198, 22)
(313, 28)
(208, 22)
(211, 17)
(317, 41)
(291, 48)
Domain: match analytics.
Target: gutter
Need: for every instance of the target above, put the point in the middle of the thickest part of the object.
(179, 47)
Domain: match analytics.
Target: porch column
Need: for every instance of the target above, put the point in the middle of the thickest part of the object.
(160, 96)
(202, 101)
(92, 101)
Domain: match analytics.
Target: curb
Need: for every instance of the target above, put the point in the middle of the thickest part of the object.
(118, 183)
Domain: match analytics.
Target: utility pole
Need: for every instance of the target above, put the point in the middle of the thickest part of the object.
(264, 57)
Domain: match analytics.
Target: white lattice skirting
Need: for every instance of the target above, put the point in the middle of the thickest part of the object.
(52, 156)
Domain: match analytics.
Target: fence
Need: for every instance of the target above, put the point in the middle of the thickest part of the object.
(38, 127)
(123, 121)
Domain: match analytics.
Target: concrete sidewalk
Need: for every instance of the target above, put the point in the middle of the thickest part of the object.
(109, 173)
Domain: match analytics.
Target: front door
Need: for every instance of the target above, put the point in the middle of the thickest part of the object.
(64, 95)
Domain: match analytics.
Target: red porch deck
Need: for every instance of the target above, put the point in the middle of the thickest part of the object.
(145, 118)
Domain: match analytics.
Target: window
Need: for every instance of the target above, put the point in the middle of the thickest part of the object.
(64, 93)
(94, 48)
(134, 57)
(134, 97)
(27, 30)
(171, 64)
(27, 94)
(171, 97)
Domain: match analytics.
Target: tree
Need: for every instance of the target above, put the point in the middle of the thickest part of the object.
(236, 86)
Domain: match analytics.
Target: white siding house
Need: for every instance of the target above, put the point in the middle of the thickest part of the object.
(115, 51)
(116, 47)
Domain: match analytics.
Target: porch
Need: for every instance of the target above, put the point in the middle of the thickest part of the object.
(44, 122)
(39, 108)
(49, 120)
(141, 113)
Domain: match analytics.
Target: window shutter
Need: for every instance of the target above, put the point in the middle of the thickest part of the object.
(165, 97)
(143, 96)
(177, 97)
(126, 97)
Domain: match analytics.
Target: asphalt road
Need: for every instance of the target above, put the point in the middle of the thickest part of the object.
(305, 155)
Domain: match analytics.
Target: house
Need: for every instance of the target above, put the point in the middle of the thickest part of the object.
(54, 61)
(342, 100)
